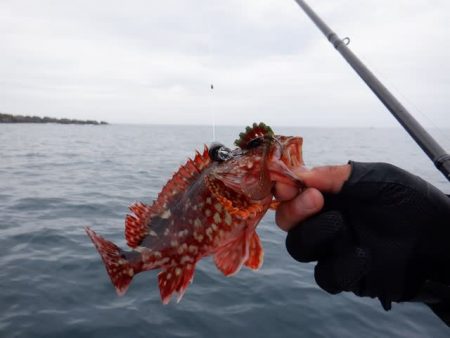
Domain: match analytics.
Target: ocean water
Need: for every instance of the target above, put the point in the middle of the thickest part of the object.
(56, 179)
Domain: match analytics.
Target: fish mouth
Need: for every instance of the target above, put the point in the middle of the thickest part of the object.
(286, 161)
(291, 152)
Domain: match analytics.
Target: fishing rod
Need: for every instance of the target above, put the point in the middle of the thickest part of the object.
(434, 151)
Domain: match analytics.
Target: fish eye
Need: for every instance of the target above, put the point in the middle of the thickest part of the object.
(256, 142)
(219, 153)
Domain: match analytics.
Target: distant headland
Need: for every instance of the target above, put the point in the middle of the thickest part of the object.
(8, 118)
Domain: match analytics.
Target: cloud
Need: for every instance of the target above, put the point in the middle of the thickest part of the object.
(153, 62)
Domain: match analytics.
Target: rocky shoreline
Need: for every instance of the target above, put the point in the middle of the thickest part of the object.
(8, 118)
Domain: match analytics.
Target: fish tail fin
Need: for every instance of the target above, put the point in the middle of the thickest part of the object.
(119, 269)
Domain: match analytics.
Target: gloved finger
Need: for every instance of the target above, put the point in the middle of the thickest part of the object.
(314, 238)
(305, 205)
(344, 272)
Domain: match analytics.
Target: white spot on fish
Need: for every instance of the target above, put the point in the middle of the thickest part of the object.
(214, 226)
(193, 249)
(166, 214)
(174, 243)
(177, 271)
(169, 275)
(218, 207)
(166, 232)
(197, 223)
(209, 233)
(142, 249)
(182, 248)
(185, 259)
(208, 212)
(198, 237)
(152, 233)
(217, 218)
(228, 219)
(208, 200)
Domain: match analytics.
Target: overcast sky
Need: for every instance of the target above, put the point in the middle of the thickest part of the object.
(149, 61)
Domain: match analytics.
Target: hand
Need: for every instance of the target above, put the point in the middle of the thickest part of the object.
(299, 207)
(373, 228)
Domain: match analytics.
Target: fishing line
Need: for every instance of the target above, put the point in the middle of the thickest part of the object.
(414, 106)
(211, 105)
(213, 113)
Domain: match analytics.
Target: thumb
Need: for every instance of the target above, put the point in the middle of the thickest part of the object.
(326, 179)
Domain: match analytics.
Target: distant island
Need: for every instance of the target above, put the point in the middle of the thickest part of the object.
(8, 118)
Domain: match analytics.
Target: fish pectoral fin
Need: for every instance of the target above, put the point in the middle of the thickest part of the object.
(256, 253)
(230, 258)
(175, 279)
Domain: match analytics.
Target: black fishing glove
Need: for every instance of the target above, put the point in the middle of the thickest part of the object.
(386, 234)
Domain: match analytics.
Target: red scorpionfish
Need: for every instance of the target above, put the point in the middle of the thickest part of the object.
(211, 206)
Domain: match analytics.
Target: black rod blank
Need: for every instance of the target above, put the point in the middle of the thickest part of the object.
(434, 151)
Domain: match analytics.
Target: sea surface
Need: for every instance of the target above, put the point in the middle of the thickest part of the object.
(56, 179)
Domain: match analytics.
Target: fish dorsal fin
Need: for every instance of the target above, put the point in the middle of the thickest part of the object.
(137, 224)
(182, 179)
